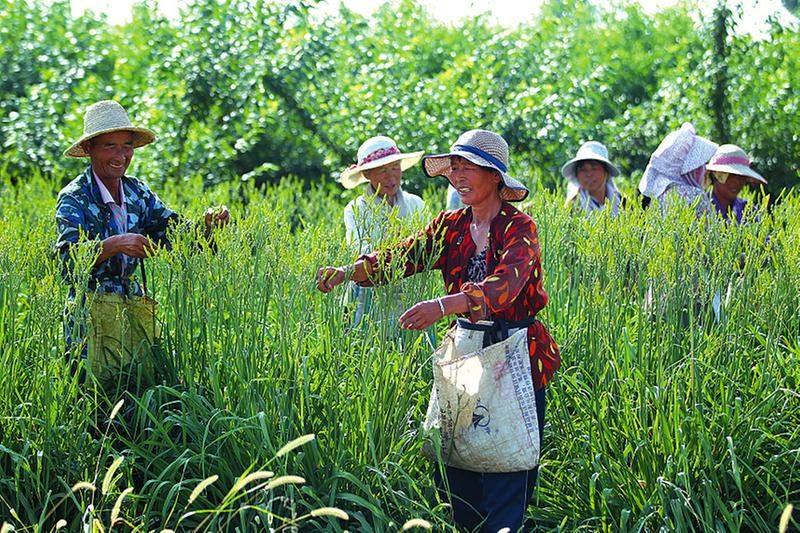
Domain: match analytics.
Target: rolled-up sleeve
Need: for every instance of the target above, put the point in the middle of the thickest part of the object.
(511, 274)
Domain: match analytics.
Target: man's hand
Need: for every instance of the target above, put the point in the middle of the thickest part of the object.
(132, 245)
(217, 217)
(329, 277)
(421, 315)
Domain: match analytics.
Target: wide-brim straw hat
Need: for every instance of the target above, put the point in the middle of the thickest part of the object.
(373, 153)
(731, 159)
(483, 148)
(681, 152)
(589, 151)
(107, 116)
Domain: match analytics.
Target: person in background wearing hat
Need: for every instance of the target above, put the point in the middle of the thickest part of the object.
(103, 204)
(453, 200)
(677, 170)
(590, 177)
(380, 166)
(489, 256)
(730, 170)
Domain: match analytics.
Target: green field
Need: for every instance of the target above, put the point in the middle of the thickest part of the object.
(661, 416)
(664, 416)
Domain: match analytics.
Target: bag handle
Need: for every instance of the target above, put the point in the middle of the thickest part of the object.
(144, 276)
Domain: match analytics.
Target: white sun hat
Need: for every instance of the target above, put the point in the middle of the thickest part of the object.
(678, 154)
(107, 116)
(483, 148)
(373, 153)
(730, 159)
(589, 151)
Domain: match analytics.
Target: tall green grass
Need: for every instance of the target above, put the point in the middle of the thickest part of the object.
(663, 416)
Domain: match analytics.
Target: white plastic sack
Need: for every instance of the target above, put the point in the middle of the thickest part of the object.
(483, 404)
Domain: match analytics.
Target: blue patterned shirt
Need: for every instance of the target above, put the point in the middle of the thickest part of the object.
(81, 214)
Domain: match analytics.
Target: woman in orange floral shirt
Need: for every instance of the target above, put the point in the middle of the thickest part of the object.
(490, 260)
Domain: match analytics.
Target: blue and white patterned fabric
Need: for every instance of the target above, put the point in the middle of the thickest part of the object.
(81, 214)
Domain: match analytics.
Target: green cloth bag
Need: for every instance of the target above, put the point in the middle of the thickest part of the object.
(124, 336)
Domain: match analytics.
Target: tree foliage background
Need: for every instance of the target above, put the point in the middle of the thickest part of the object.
(263, 89)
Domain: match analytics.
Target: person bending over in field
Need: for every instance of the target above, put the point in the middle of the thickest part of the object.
(677, 170)
(118, 212)
(380, 165)
(590, 180)
(488, 253)
(729, 170)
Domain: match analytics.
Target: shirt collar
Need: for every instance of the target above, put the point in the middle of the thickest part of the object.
(105, 195)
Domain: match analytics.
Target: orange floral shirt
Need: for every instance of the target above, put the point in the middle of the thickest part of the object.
(513, 288)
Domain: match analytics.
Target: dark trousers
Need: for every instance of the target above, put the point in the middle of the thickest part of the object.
(495, 501)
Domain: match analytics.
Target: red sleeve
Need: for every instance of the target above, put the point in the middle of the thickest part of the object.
(511, 274)
(420, 252)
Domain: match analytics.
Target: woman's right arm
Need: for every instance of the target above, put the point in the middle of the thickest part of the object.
(422, 251)
(329, 277)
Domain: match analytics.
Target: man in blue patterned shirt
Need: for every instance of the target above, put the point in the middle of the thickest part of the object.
(120, 212)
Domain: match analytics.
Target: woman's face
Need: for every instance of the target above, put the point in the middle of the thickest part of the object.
(731, 188)
(473, 183)
(386, 179)
(592, 176)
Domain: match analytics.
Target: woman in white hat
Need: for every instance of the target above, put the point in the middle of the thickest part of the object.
(380, 166)
(489, 256)
(590, 180)
(677, 170)
(730, 171)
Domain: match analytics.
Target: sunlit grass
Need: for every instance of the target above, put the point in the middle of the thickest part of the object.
(662, 415)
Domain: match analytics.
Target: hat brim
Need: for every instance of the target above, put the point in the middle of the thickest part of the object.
(439, 165)
(141, 137)
(740, 170)
(703, 150)
(353, 177)
(569, 168)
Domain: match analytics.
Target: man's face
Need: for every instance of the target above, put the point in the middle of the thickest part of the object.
(111, 153)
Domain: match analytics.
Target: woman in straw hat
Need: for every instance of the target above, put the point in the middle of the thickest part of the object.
(677, 170)
(380, 166)
(590, 180)
(119, 212)
(729, 170)
(488, 253)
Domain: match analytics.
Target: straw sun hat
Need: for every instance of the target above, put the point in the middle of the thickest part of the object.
(373, 153)
(730, 159)
(107, 116)
(483, 148)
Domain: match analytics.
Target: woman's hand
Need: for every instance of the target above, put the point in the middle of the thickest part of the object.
(421, 315)
(329, 277)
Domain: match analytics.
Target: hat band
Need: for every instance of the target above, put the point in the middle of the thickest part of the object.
(379, 154)
(487, 156)
(731, 160)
